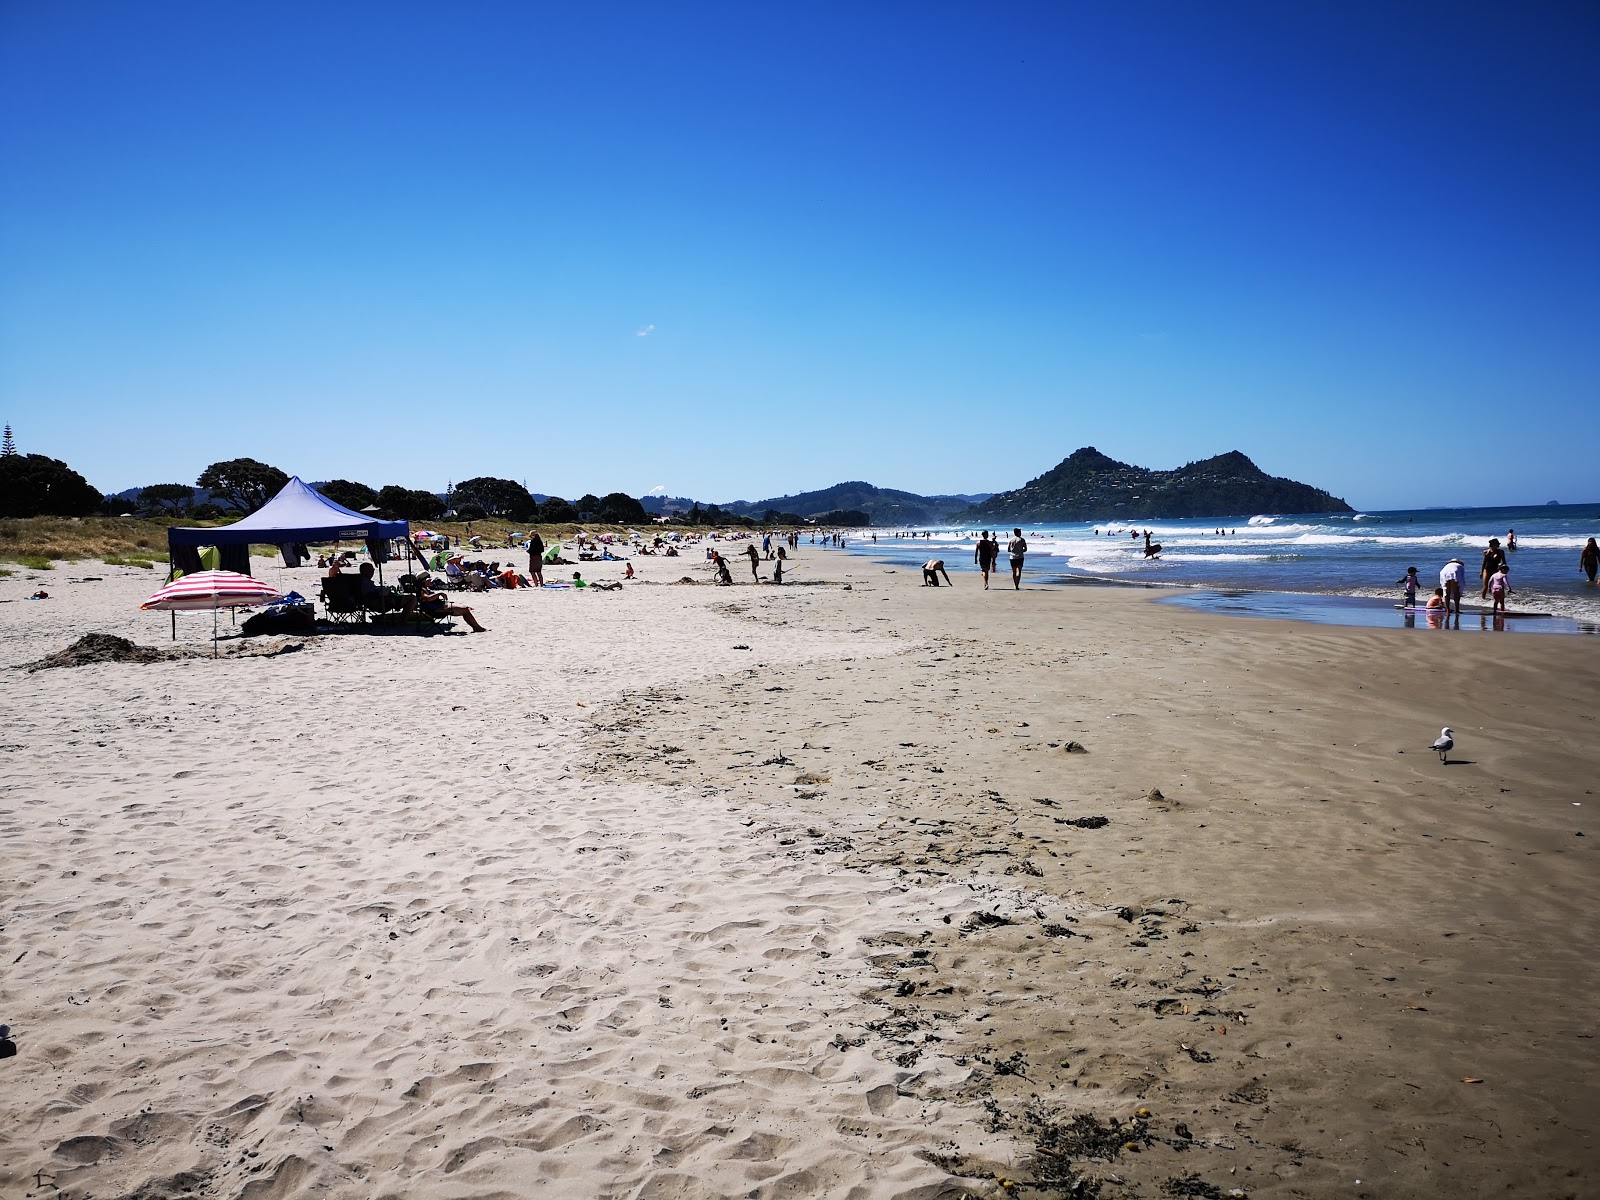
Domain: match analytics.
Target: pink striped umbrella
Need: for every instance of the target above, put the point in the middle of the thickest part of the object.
(211, 589)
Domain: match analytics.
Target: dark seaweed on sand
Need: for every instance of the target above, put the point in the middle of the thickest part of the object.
(1082, 1135)
(1191, 1185)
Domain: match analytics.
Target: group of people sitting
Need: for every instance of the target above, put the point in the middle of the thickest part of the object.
(424, 601)
(480, 576)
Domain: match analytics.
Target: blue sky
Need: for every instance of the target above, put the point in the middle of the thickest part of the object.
(738, 250)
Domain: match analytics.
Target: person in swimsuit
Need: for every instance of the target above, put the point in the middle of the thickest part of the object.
(984, 554)
(436, 605)
(755, 561)
(1017, 547)
(1499, 586)
(1494, 559)
(931, 570)
(1589, 560)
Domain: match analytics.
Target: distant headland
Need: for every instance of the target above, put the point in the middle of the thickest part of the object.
(1089, 486)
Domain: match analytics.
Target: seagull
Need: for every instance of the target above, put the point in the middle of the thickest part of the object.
(1444, 743)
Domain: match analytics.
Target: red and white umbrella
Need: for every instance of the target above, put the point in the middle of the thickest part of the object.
(211, 589)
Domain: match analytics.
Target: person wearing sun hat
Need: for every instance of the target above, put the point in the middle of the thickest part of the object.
(1451, 578)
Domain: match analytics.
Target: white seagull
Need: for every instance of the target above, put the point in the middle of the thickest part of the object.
(1444, 743)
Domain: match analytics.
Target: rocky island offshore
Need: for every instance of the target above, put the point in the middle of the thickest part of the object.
(1089, 486)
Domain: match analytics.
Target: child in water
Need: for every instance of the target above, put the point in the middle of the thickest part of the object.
(1499, 588)
(1412, 583)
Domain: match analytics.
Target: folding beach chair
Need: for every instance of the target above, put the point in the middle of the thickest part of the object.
(341, 598)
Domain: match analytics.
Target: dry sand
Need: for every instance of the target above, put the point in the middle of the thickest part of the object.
(603, 903)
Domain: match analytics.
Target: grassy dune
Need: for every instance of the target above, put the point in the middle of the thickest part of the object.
(35, 542)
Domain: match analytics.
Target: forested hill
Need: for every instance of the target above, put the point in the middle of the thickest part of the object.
(1089, 486)
(886, 506)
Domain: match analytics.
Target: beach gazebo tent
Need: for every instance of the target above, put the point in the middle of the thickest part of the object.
(298, 513)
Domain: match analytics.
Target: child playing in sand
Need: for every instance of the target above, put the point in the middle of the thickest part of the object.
(1436, 601)
(1499, 588)
(1411, 583)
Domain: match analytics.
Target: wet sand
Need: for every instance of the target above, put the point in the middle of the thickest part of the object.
(1297, 934)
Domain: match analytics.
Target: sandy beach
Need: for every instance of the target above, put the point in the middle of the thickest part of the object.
(848, 891)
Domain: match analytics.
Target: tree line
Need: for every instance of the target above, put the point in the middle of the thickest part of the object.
(34, 485)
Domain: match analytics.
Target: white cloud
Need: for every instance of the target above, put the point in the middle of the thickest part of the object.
(646, 331)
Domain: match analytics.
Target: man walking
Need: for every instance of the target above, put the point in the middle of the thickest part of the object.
(1017, 547)
(984, 554)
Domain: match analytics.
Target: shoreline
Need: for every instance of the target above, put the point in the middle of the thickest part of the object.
(1558, 606)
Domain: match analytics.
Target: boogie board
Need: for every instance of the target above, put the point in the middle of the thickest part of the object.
(1468, 612)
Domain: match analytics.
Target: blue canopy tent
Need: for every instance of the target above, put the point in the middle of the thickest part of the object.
(298, 513)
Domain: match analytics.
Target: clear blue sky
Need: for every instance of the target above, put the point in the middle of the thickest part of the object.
(746, 249)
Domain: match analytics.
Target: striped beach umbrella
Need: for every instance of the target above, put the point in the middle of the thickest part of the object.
(210, 589)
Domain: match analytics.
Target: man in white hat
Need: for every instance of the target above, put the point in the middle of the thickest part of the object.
(1450, 578)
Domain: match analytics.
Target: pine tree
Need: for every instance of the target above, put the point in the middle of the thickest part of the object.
(7, 447)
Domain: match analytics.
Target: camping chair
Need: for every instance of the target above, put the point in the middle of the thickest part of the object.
(341, 597)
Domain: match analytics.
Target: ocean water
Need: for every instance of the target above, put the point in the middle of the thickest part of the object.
(1359, 554)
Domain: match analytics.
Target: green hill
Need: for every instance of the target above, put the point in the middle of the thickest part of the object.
(1089, 486)
(886, 506)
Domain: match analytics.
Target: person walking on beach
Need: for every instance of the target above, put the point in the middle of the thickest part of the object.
(1017, 547)
(755, 562)
(535, 560)
(1451, 578)
(1494, 559)
(984, 554)
(1589, 560)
